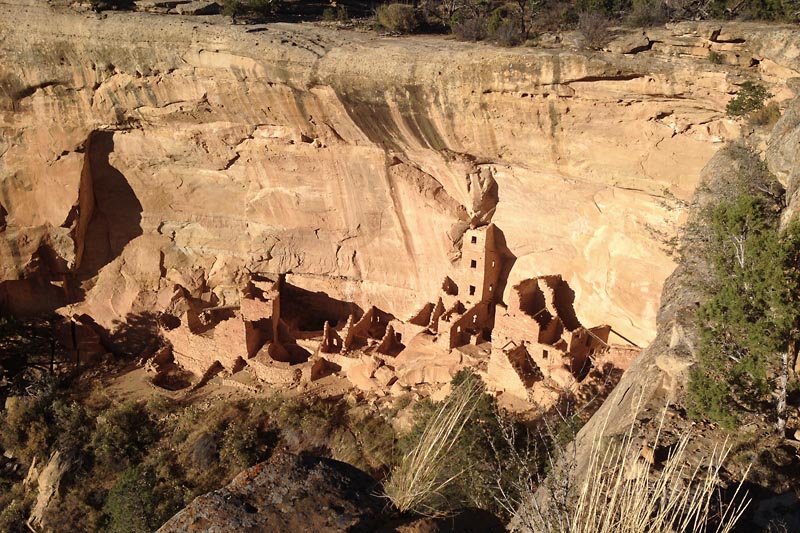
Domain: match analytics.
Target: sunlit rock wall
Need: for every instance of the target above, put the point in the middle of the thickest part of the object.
(139, 152)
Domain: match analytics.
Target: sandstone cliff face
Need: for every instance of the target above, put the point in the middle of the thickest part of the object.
(140, 152)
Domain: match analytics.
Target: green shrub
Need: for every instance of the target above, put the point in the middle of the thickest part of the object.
(253, 8)
(464, 467)
(715, 57)
(752, 311)
(507, 34)
(470, 29)
(123, 435)
(646, 13)
(400, 18)
(263, 8)
(504, 26)
(239, 445)
(139, 503)
(709, 396)
(99, 5)
(419, 481)
(73, 428)
(337, 14)
(750, 97)
(15, 515)
(26, 427)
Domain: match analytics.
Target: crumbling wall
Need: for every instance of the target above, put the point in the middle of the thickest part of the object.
(475, 321)
(583, 344)
(331, 341)
(423, 316)
(551, 332)
(225, 343)
(522, 319)
(390, 344)
(436, 315)
(524, 366)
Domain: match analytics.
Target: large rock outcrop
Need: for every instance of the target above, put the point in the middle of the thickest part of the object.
(311, 494)
(140, 152)
(288, 493)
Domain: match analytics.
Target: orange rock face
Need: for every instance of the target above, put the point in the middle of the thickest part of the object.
(140, 153)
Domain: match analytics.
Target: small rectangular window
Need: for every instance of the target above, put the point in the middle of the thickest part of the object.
(474, 239)
(473, 264)
(472, 290)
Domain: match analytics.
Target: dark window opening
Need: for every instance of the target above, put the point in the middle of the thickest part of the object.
(472, 290)
(474, 239)
(473, 264)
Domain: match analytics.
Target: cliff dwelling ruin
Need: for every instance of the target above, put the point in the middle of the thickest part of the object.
(531, 348)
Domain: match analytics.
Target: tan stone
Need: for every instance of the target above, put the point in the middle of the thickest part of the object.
(293, 150)
(501, 376)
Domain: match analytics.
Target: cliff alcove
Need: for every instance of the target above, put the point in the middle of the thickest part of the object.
(253, 239)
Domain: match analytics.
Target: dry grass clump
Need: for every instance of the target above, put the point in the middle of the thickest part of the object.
(621, 494)
(418, 479)
(765, 116)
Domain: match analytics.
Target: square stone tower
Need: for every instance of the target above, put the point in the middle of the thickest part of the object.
(478, 273)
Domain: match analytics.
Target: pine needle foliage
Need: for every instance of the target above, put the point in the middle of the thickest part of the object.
(752, 315)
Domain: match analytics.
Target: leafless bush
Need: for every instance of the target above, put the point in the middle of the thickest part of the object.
(471, 29)
(594, 28)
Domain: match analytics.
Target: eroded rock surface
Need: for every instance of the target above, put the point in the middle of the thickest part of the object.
(288, 493)
(141, 152)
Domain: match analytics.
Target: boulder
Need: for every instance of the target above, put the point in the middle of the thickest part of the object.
(198, 8)
(287, 493)
(49, 482)
(630, 44)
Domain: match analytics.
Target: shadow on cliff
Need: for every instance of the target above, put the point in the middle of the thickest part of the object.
(136, 335)
(114, 219)
(508, 260)
(117, 213)
(305, 310)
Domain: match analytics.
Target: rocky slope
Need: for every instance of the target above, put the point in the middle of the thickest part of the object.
(140, 152)
(651, 394)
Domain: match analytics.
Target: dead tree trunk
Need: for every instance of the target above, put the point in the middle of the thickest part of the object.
(780, 394)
